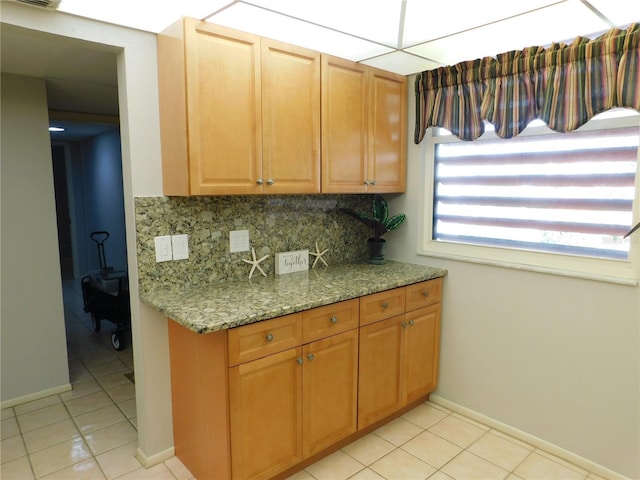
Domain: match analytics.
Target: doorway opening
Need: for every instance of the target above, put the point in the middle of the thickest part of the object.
(89, 195)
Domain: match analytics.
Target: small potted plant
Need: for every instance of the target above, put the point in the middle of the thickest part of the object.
(380, 222)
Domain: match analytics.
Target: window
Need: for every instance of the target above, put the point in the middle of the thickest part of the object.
(559, 201)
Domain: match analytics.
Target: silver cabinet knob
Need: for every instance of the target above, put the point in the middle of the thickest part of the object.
(373, 182)
(299, 360)
(404, 324)
(412, 323)
(259, 181)
(333, 319)
(425, 293)
(311, 356)
(366, 182)
(385, 305)
(269, 337)
(270, 181)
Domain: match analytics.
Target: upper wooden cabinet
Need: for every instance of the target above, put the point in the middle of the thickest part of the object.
(239, 114)
(363, 128)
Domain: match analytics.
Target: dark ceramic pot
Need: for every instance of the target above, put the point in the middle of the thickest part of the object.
(376, 251)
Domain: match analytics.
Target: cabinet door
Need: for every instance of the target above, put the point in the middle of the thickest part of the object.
(330, 382)
(387, 132)
(224, 109)
(290, 118)
(265, 399)
(421, 352)
(345, 117)
(380, 374)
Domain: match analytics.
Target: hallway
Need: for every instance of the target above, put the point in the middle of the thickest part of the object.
(90, 431)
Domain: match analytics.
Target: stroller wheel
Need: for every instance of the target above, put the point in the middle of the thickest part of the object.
(96, 323)
(116, 341)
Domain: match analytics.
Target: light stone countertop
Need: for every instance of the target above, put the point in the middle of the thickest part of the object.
(230, 304)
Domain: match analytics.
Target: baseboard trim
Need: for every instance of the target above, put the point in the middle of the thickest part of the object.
(36, 396)
(537, 442)
(155, 459)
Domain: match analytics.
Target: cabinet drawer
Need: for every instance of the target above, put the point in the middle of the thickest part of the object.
(379, 306)
(423, 294)
(257, 340)
(329, 320)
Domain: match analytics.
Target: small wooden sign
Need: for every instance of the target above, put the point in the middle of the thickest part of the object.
(290, 262)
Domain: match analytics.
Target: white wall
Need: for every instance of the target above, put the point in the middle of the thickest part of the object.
(555, 357)
(33, 342)
(142, 176)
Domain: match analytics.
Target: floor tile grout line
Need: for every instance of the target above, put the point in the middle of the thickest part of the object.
(510, 471)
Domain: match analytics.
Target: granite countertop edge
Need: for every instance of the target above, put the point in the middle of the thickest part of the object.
(230, 304)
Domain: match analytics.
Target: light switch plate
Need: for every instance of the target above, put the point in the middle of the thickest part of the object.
(163, 248)
(290, 262)
(239, 241)
(180, 247)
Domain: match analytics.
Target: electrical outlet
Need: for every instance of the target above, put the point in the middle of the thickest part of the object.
(163, 248)
(239, 241)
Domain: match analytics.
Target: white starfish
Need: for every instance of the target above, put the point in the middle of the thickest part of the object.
(255, 263)
(318, 254)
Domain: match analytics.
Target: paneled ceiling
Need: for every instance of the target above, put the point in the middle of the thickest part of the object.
(403, 36)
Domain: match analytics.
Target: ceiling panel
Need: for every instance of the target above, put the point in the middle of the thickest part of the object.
(149, 15)
(377, 21)
(401, 62)
(499, 37)
(269, 24)
(431, 20)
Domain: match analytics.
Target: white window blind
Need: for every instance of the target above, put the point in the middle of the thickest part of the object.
(569, 193)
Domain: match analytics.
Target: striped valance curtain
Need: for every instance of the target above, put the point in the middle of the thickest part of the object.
(564, 85)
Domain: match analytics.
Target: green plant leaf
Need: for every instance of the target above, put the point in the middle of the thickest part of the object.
(395, 221)
(380, 209)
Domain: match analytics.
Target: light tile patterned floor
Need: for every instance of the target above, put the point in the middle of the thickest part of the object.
(90, 432)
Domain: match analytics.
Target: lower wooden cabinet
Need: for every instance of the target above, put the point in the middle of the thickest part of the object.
(381, 367)
(291, 405)
(398, 355)
(265, 401)
(330, 391)
(398, 363)
(257, 401)
(421, 352)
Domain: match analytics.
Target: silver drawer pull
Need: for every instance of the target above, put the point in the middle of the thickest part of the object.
(270, 181)
(269, 337)
(385, 305)
(333, 319)
(259, 181)
(311, 356)
(425, 293)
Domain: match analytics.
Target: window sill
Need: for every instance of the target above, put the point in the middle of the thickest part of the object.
(621, 279)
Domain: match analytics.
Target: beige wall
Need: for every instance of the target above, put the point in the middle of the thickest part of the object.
(555, 357)
(33, 343)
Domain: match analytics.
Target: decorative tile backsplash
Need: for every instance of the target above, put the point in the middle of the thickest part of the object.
(275, 224)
